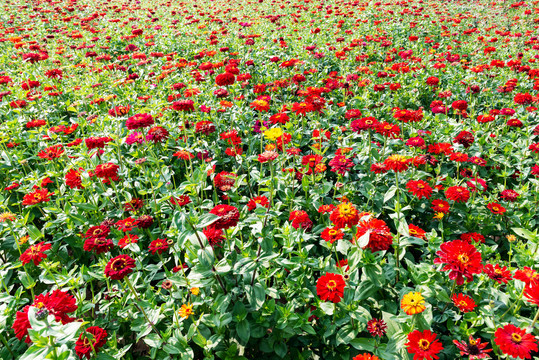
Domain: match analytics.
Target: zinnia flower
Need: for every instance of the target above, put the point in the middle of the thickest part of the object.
(330, 287)
(475, 349)
(413, 303)
(35, 253)
(461, 259)
(90, 341)
(424, 345)
(228, 216)
(463, 302)
(344, 215)
(119, 267)
(515, 342)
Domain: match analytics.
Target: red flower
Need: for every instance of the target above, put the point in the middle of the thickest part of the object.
(377, 327)
(180, 201)
(461, 259)
(341, 164)
(125, 225)
(260, 200)
(224, 181)
(118, 111)
(58, 303)
(36, 197)
(183, 105)
(157, 134)
(225, 79)
(139, 121)
(527, 275)
(514, 341)
(127, 239)
(98, 231)
(332, 234)
(397, 163)
(215, 236)
(416, 231)
(73, 179)
(330, 287)
(458, 194)
(159, 246)
(380, 238)
(300, 219)
(501, 275)
(475, 349)
(468, 237)
(365, 356)
(35, 253)
(419, 188)
(463, 302)
(107, 170)
(344, 215)
(119, 267)
(440, 206)
(532, 293)
(496, 208)
(228, 216)
(423, 344)
(98, 245)
(52, 152)
(90, 341)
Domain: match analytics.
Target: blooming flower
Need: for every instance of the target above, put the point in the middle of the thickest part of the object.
(119, 267)
(515, 342)
(330, 287)
(413, 303)
(461, 259)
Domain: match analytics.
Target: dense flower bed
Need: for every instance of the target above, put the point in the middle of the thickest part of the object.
(270, 179)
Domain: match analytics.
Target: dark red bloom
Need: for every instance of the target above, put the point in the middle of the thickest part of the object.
(119, 267)
(228, 216)
(90, 341)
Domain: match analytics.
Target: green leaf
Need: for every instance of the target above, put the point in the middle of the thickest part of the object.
(243, 330)
(363, 344)
(327, 307)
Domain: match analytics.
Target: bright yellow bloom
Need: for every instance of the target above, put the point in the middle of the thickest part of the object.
(273, 134)
(195, 291)
(7, 216)
(413, 303)
(438, 215)
(186, 310)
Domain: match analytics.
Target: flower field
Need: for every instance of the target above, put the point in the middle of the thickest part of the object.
(297, 179)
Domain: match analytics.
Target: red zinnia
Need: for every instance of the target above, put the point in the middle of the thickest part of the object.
(58, 303)
(458, 194)
(73, 179)
(228, 216)
(496, 208)
(330, 287)
(440, 206)
(380, 238)
(52, 152)
(107, 170)
(36, 197)
(139, 121)
(90, 341)
(35, 253)
(500, 274)
(260, 200)
(419, 188)
(332, 234)
(423, 344)
(532, 293)
(515, 342)
(345, 214)
(461, 259)
(463, 302)
(159, 246)
(119, 267)
(475, 349)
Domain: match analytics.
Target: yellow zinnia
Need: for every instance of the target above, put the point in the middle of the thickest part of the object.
(413, 303)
